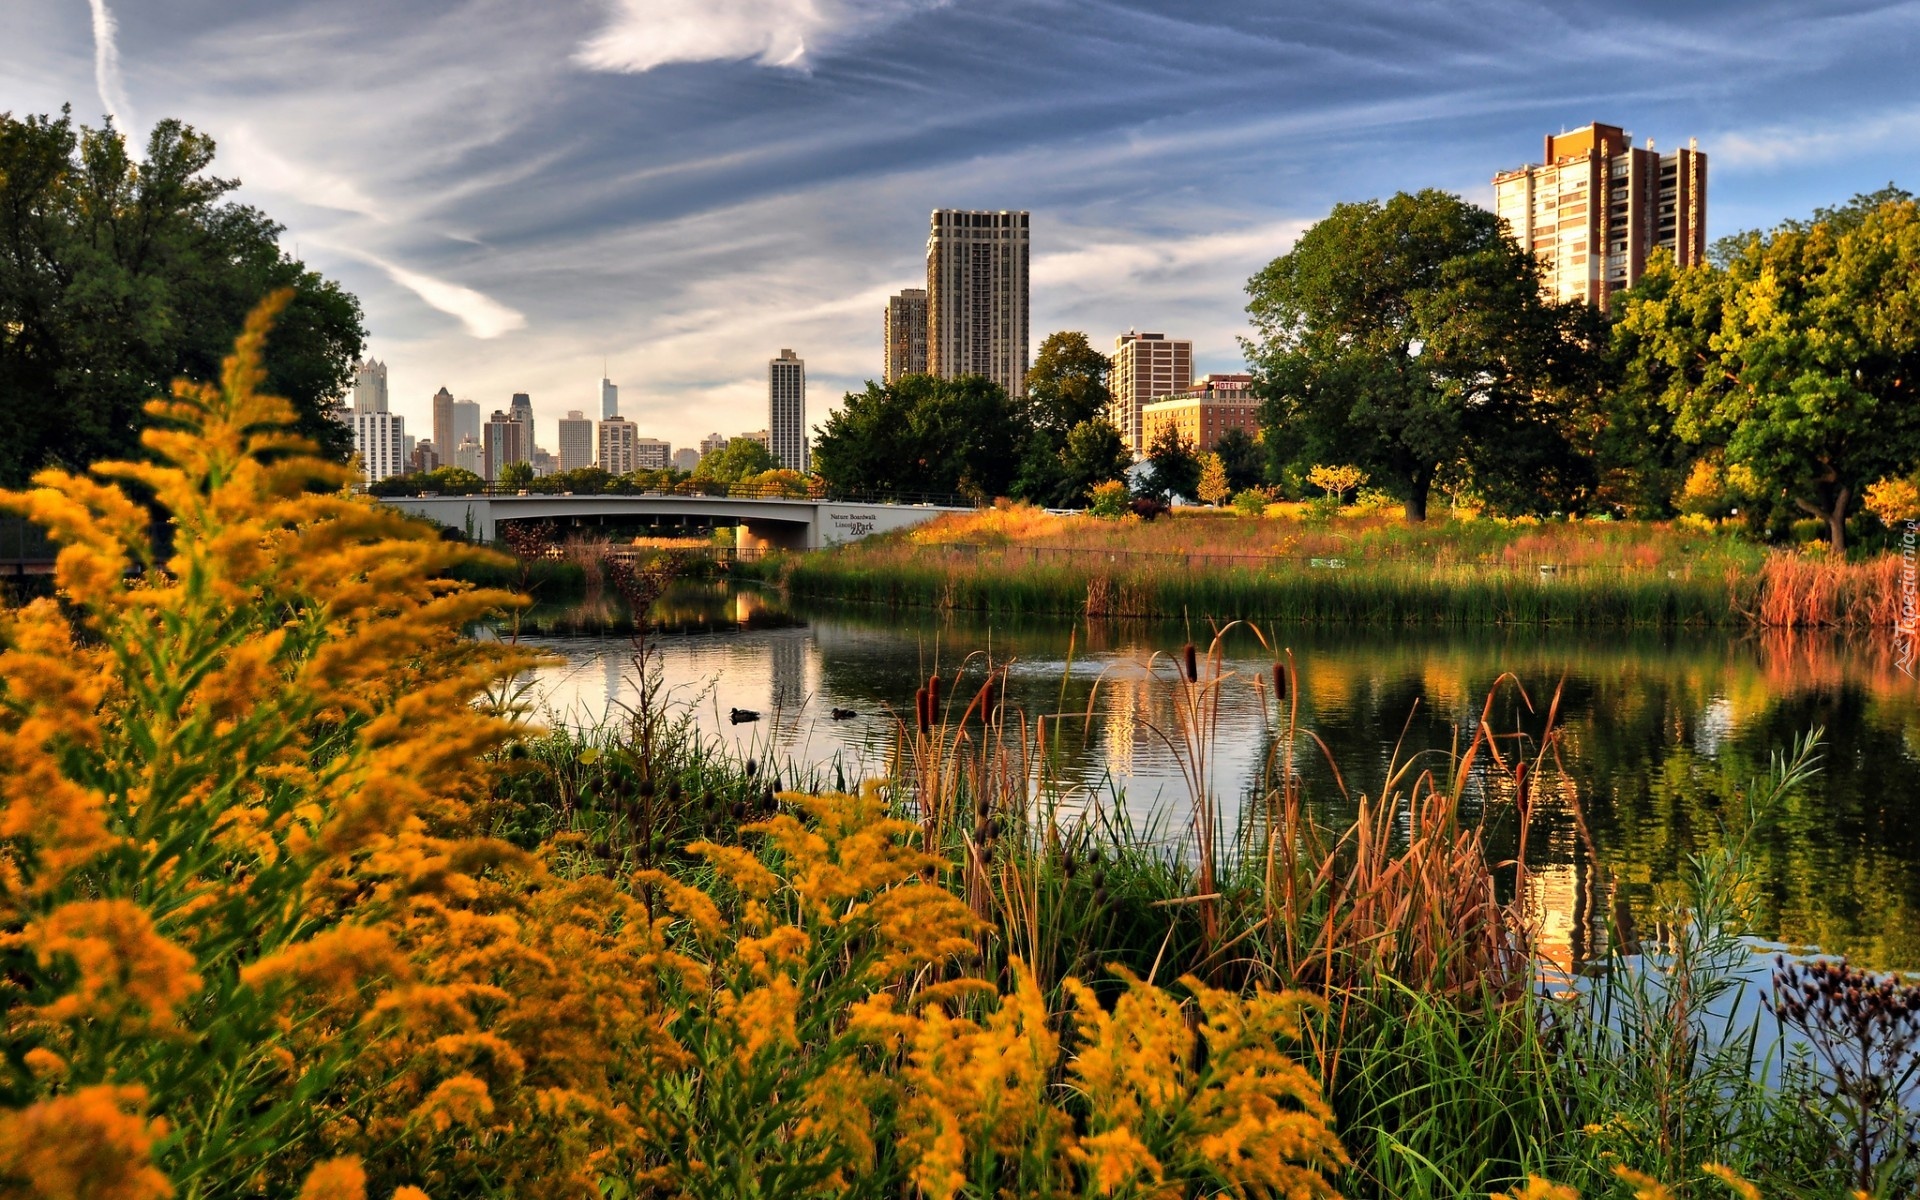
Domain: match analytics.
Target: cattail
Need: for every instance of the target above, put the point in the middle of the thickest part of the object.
(673, 791)
(753, 768)
(1279, 681)
(920, 710)
(933, 699)
(1192, 658)
(739, 810)
(1522, 793)
(646, 789)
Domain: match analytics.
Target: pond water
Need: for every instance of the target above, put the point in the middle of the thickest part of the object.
(1657, 735)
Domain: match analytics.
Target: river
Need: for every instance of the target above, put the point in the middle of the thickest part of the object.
(1657, 735)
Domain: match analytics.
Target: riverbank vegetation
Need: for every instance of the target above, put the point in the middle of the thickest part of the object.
(1315, 564)
(296, 901)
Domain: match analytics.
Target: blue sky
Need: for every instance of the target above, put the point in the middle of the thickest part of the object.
(517, 190)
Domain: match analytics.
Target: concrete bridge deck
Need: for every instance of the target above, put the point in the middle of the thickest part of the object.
(764, 523)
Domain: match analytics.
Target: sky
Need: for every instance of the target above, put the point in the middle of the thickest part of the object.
(519, 191)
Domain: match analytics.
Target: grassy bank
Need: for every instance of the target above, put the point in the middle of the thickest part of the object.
(1368, 569)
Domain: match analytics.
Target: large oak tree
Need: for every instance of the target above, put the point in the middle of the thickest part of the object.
(1795, 354)
(119, 275)
(1413, 334)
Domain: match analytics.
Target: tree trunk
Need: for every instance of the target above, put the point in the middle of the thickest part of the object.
(1834, 513)
(1417, 489)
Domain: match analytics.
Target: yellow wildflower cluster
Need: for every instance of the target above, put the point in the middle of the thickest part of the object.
(241, 890)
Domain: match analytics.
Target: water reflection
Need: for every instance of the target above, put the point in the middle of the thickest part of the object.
(1659, 734)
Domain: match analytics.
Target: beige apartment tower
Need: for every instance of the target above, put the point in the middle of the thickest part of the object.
(1146, 366)
(977, 296)
(787, 410)
(905, 335)
(618, 438)
(576, 441)
(1597, 208)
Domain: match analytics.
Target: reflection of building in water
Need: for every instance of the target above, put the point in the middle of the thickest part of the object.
(746, 602)
(787, 671)
(615, 665)
(1559, 877)
(1126, 702)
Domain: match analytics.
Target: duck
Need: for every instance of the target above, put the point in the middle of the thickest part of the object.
(743, 716)
(842, 714)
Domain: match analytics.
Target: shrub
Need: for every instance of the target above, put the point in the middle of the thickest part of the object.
(1108, 499)
(1336, 481)
(1252, 502)
(1148, 507)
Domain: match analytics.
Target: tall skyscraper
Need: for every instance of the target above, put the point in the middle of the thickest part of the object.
(576, 441)
(443, 434)
(787, 410)
(904, 334)
(1591, 248)
(370, 386)
(505, 440)
(617, 437)
(466, 421)
(520, 408)
(609, 398)
(977, 296)
(379, 438)
(1145, 365)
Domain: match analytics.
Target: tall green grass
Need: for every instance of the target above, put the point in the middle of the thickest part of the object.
(1398, 594)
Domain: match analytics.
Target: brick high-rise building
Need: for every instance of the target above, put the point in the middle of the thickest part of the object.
(904, 335)
(1204, 412)
(1591, 248)
(977, 296)
(505, 439)
(787, 410)
(1145, 366)
(576, 441)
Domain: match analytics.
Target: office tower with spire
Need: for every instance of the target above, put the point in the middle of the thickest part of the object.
(787, 410)
(977, 296)
(1596, 207)
(576, 441)
(609, 397)
(1145, 367)
(904, 334)
(444, 437)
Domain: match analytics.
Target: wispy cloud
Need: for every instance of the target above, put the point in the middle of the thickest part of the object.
(481, 314)
(106, 65)
(644, 34)
(1792, 144)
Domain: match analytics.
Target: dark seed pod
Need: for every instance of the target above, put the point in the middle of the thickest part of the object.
(752, 768)
(646, 789)
(673, 791)
(1099, 897)
(933, 699)
(1279, 681)
(1068, 866)
(1192, 660)
(739, 810)
(767, 802)
(920, 718)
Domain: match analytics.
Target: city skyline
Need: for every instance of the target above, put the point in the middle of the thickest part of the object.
(764, 180)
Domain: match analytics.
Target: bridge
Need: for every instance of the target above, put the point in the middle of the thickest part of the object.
(765, 523)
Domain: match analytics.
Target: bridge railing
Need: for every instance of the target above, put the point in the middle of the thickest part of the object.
(814, 490)
(25, 548)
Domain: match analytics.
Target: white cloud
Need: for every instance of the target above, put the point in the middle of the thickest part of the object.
(645, 34)
(483, 316)
(1787, 145)
(106, 65)
(268, 170)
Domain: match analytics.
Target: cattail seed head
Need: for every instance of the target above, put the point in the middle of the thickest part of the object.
(1192, 659)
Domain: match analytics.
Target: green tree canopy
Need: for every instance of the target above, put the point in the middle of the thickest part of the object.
(739, 458)
(1175, 467)
(922, 434)
(119, 275)
(1067, 384)
(1408, 334)
(1243, 459)
(1797, 355)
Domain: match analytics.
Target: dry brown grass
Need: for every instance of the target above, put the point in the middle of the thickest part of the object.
(1797, 592)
